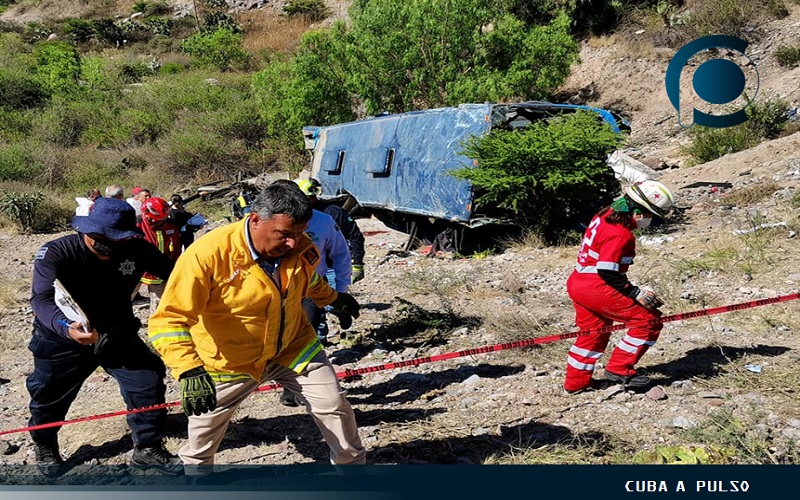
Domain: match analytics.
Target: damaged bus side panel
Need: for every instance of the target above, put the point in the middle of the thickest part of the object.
(397, 166)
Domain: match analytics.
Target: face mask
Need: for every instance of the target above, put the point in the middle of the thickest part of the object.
(643, 222)
(104, 248)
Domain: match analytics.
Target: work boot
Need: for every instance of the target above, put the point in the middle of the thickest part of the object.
(594, 385)
(289, 399)
(48, 459)
(156, 457)
(634, 381)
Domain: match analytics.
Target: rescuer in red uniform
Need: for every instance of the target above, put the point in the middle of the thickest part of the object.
(163, 232)
(601, 293)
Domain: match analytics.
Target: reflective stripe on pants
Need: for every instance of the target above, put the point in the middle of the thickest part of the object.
(598, 305)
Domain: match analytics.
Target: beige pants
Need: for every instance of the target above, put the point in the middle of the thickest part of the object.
(155, 291)
(324, 398)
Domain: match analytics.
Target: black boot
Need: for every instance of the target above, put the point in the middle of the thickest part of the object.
(156, 457)
(48, 459)
(633, 381)
(289, 399)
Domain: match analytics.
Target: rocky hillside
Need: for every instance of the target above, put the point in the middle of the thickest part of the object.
(727, 385)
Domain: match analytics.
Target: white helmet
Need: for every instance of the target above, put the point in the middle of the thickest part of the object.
(652, 196)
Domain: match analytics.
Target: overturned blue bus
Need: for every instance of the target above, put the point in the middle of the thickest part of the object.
(396, 166)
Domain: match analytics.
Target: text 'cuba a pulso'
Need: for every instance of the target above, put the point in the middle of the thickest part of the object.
(652, 486)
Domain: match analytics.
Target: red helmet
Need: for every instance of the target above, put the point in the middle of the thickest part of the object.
(155, 209)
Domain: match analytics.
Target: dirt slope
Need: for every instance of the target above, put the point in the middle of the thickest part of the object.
(508, 406)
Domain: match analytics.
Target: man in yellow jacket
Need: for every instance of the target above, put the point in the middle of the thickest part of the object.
(232, 318)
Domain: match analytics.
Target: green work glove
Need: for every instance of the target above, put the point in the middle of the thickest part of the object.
(346, 304)
(358, 272)
(198, 393)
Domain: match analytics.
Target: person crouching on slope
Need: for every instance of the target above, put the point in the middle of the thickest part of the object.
(602, 294)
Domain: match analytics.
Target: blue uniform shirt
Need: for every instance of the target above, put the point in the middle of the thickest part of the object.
(101, 288)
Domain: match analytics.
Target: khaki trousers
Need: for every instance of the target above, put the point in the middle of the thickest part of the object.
(155, 291)
(318, 387)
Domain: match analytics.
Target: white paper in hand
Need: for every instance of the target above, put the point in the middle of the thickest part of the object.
(68, 306)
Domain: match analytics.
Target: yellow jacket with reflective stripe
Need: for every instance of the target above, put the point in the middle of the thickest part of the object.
(221, 310)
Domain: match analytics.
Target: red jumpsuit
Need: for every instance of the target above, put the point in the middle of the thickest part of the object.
(167, 238)
(601, 294)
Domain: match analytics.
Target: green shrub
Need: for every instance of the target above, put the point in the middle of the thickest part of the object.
(547, 176)
(79, 30)
(64, 122)
(133, 72)
(16, 162)
(21, 207)
(733, 17)
(100, 74)
(767, 117)
(89, 171)
(221, 20)
(32, 211)
(134, 31)
(14, 52)
(20, 90)
(36, 32)
(158, 25)
(711, 143)
(171, 68)
(58, 65)
(106, 30)
(197, 153)
(15, 125)
(314, 10)
(125, 127)
(241, 121)
(788, 56)
(220, 49)
(765, 120)
(151, 8)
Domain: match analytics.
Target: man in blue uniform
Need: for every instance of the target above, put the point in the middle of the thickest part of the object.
(99, 268)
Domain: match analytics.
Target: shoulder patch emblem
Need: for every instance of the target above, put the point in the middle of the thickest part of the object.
(41, 253)
(311, 255)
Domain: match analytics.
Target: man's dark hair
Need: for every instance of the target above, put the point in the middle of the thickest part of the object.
(282, 197)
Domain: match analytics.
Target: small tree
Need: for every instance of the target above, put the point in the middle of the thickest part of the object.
(58, 66)
(306, 91)
(314, 10)
(431, 53)
(219, 49)
(548, 176)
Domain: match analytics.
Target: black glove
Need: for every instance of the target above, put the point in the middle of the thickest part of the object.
(198, 393)
(345, 303)
(345, 307)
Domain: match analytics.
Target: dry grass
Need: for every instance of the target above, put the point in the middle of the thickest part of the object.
(268, 32)
(56, 10)
(580, 450)
(12, 293)
(527, 240)
(779, 376)
(598, 42)
(750, 195)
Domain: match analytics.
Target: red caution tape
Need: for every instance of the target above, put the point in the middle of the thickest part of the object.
(451, 355)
